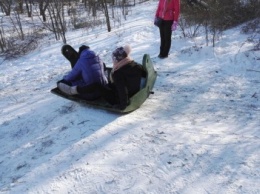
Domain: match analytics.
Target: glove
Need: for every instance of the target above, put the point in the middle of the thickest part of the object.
(174, 25)
(157, 21)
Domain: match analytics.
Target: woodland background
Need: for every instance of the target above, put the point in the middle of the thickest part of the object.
(24, 23)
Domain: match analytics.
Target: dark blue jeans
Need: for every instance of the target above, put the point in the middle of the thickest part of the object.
(166, 37)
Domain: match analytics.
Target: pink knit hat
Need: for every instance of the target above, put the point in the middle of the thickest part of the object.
(121, 53)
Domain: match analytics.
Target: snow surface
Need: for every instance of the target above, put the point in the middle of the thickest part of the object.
(198, 133)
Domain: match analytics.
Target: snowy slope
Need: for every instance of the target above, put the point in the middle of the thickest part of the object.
(198, 133)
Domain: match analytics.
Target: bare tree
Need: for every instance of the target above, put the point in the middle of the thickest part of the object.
(124, 8)
(28, 4)
(3, 43)
(6, 6)
(20, 5)
(43, 5)
(105, 8)
(57, 20)
(18, 24)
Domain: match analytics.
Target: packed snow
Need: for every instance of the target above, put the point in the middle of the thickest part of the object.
(197, 134)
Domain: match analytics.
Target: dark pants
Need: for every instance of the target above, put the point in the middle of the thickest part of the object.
(166, 37)
(107, 92)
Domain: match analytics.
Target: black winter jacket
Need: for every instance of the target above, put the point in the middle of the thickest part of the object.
(127, 82)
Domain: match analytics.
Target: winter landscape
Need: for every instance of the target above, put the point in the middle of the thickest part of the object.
(198, 133)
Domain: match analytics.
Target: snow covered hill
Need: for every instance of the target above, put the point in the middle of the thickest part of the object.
(198, 133)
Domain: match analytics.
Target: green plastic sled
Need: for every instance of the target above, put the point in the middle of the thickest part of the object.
(135, 101)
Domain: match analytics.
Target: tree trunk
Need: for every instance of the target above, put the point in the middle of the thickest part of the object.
(104, 5)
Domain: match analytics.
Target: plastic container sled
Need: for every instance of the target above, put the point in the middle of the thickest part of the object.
(135, 101)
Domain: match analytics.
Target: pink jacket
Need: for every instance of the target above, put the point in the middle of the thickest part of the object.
(168, 9)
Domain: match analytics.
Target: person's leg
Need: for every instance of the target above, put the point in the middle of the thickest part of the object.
(107, 92)
(168, 37)
(88, 89)
(67, 89)
(161, 29)
(70, 53)
(165, 32)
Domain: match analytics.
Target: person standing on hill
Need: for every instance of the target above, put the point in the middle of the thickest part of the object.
(166, 18)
